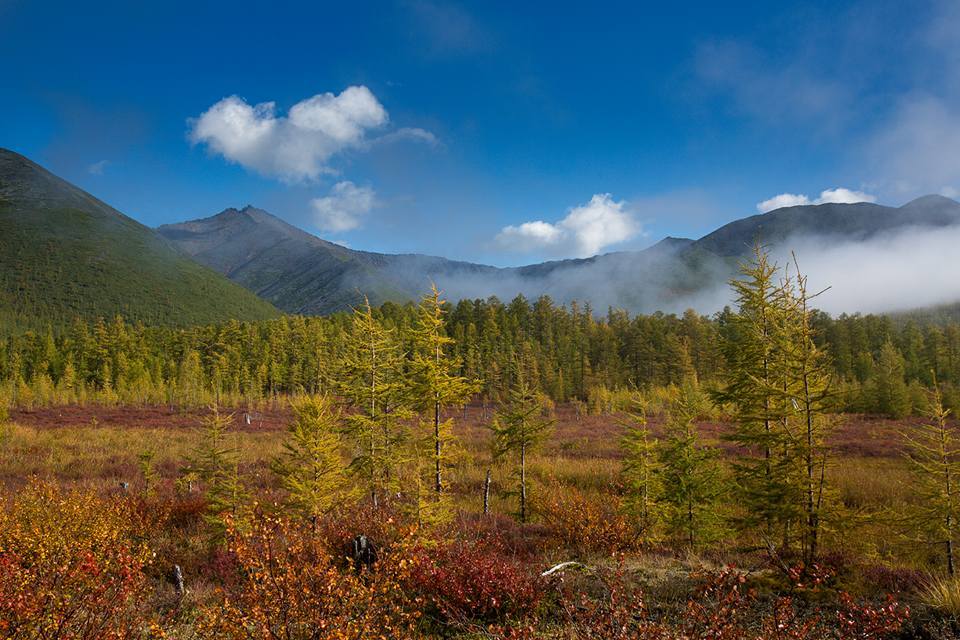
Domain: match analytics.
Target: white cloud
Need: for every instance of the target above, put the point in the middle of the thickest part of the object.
(840, 195)
(343, 209)
(584, 232)
(844, 196)
(782, 200)
(297, 146)
(97, 168)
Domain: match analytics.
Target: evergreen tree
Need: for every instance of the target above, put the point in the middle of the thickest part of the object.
(310, 468)
(517, 430)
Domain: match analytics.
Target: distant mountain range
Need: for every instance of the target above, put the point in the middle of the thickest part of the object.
(65, 254)
(301, 273)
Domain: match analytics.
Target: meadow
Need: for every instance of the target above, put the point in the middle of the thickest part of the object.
(473, 575)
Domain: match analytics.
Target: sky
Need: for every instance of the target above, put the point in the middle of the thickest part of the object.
(504, 133)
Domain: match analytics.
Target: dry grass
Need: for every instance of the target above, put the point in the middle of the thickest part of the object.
(943, 594)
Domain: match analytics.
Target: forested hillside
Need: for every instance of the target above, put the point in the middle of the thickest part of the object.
(64, 254)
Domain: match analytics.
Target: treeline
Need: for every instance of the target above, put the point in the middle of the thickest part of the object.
(569, 353)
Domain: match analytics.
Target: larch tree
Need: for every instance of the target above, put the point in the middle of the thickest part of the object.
(437, 383)
(690, 476)
(753, 388)
(372, 381)
(891, 394)
(934, 456)
(311, 467)
(641, 471)
(517, 430)
(805, 387)
(216, 462)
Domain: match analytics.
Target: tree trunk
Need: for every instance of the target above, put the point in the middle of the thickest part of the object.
(436, 446)
(523, 482)
(486, 494)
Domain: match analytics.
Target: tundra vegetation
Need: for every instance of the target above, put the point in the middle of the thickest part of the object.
(483, 470)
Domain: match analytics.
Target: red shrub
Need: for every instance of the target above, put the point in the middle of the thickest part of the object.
(476, 582)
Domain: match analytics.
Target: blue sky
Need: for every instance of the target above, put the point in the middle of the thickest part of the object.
(497, 132)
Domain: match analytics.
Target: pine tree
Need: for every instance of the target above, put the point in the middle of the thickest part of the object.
(517, 430)
(373, 381)
(690, 476)
(641, 471)
(437, 383)
(934, 455)
(311, 468)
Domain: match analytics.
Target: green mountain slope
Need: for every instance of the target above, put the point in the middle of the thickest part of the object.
(64, 254)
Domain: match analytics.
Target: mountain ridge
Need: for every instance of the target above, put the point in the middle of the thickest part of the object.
(305, 274)
(66, 254)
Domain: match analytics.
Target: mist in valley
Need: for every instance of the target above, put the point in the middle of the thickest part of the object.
(899, 270)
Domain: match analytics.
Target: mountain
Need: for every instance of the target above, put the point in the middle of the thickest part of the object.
(848, 222)
(301, 273)
(64, 254)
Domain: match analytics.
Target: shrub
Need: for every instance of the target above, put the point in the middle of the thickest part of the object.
(617, 612)
(473, 582)
(69, 566)
(290, 586)
(586, 523)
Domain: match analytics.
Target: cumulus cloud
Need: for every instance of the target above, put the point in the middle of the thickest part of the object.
(343, 208)
(782, 200)
(583, 232)
(840, 195)
(296, 146)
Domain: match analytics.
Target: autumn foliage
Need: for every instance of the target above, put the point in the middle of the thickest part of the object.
(289, 585)
(70, 566)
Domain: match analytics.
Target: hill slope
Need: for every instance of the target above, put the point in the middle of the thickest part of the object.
(65, 254)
